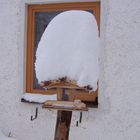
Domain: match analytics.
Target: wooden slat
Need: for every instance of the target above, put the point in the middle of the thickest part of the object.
(66, 87)
(65, 109)
(65, 105)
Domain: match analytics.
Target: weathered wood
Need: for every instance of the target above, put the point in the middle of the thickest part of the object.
(63, 125)
(64, 83)
(65, 105)
(80, 93)
(63, 120)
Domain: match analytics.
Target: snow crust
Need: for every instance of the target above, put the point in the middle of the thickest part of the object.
(69, 47)
(38, 97)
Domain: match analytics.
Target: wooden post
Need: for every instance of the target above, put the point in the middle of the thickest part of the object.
(63, 120)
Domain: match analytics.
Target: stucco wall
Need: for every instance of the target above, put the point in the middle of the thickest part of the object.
(117, 117)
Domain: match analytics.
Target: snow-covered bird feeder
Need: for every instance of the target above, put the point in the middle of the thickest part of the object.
(67, 58)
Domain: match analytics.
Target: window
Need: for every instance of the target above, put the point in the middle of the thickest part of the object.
(39, 15)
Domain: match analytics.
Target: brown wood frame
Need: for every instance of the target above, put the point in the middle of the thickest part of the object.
(31, 37)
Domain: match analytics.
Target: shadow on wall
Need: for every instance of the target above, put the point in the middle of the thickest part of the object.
(3, 137)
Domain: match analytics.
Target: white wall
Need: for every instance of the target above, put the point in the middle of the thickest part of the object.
(117, 117)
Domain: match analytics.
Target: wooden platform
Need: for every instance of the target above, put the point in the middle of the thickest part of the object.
(65, 105)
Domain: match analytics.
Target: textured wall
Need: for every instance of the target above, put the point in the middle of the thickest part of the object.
(118, 114)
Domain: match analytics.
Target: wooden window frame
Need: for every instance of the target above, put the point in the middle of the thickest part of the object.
(31, 10)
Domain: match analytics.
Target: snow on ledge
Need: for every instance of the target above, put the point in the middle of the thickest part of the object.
(38, 98)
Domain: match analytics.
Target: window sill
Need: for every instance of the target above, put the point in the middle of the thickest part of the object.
(40, 99)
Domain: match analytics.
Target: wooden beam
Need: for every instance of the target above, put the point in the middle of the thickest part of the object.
(63, 125)
(63, 120)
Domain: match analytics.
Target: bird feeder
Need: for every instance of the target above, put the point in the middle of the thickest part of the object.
(64, 105)
(67, 60)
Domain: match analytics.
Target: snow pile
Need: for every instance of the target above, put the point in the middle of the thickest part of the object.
(3, 137)
(38, 97)
(69, 47)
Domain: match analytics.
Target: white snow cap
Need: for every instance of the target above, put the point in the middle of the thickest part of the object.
(69, 47)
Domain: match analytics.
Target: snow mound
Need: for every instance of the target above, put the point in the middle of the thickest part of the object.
(69, 47)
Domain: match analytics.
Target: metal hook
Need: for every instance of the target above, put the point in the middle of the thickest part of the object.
(36, 114)
(80, 119)
(77, 123)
